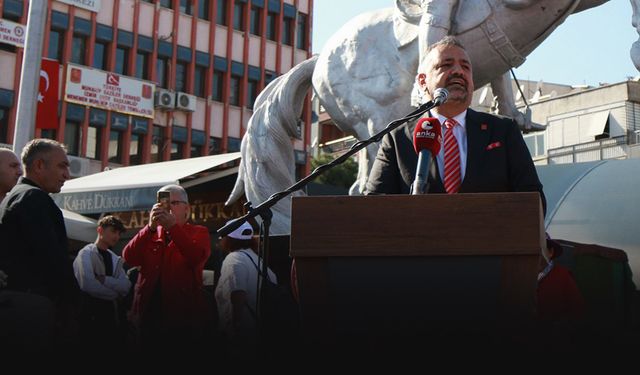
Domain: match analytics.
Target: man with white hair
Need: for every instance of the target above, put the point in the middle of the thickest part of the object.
(168, 302)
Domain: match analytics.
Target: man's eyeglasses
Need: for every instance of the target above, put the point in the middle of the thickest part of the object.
(175, 203)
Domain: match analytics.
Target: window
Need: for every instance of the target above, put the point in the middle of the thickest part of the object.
(233, 144)
(181, 76)
(238, 16)
(4, 125)
(122, 57)
(198, 81)
(157, 143)
(185, 6)
(100, 55)
(252, 92)
(217, 89)
(287, 31)
(203, 9)
(271, 25)
(255, 26)
(214, 145)
(135, 149)
(56, 43)
(8, 48)
(48, 133)
(166, 3)
(161, 71)
(94, 141)
(78, 50)
(301, 36)
(535, 144)
(142, 65)
(196, 151)
(176, 150)
(234, 90)
(221, 12)
(115, 146)
(72, 137)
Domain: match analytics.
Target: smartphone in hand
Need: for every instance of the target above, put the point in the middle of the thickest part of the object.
(164, 198)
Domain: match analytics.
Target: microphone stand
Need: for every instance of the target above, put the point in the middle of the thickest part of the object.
(264, 209)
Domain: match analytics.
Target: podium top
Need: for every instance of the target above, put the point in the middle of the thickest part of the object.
(418, 225)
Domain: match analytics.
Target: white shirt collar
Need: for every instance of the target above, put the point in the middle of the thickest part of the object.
(460, 118)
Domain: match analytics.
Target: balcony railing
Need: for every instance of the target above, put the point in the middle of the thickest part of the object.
(609, 148)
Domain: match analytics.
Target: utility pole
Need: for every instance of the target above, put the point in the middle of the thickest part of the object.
(30, 75)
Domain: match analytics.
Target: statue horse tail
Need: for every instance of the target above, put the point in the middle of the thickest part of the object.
(267, 165)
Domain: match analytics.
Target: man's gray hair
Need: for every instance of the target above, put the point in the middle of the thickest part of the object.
(36, 149)
(178, 190)
(448, 41)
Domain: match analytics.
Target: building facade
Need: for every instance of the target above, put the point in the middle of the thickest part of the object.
(207, 60)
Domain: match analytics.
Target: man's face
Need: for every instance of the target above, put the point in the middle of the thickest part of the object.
(109, 235)
(53, 171)
(179, 208)
(10, 171)
(449, 67)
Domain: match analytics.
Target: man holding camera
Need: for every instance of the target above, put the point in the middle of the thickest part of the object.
(168, 303)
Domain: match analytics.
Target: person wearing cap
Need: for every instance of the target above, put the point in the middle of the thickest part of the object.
(237, 292)
(168, 305)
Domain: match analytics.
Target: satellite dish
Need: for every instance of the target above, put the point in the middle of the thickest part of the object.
(536, 97)
(483, 95)
(553, 94)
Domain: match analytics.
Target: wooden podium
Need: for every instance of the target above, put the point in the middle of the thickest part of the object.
(398, 265)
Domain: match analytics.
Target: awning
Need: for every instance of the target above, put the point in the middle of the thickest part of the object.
(134, 188)
(593, 124)
(79, 228)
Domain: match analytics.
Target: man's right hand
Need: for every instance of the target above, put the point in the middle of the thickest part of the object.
(162, 216)
(153, 215)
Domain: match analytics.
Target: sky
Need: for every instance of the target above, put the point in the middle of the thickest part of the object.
(591, 47)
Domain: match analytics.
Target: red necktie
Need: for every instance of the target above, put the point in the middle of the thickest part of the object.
(452, 175)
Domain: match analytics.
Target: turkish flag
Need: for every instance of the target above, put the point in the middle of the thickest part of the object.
(47, 115)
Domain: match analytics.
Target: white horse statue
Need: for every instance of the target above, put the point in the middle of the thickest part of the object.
(365, 74)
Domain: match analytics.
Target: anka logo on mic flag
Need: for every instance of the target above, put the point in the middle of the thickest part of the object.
(427, 135)
(47, 110)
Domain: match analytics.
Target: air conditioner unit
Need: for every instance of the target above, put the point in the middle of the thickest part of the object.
(78, 167)
(186, 102)
(164, 99)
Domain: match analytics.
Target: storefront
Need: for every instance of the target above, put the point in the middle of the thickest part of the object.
(129, 192)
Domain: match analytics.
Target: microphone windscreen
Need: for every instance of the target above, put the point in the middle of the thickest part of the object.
(427, 135)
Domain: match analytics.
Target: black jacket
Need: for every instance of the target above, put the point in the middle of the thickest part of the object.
(497, 160)
(34, 251)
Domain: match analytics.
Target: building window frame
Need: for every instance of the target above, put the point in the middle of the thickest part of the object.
(301, 32)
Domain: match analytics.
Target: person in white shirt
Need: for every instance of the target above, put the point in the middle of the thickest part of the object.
(104, 282)
(237, 291)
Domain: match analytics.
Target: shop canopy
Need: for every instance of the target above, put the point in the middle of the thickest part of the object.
(79, 228)
(134, 188)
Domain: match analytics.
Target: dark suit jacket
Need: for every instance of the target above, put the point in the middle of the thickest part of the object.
(33, 239)
(497, 160)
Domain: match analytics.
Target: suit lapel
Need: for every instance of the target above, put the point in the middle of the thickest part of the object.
(478, 135)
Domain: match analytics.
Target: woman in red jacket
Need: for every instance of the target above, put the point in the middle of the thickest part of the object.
(168, 302)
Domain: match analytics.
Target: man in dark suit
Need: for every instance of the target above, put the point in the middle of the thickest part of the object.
(34, 251)
(491, 155)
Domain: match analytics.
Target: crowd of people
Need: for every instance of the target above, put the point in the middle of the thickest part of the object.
(151, 297)
(147, 300)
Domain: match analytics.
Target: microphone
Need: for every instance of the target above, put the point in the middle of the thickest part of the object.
(440, 96)
(427, 140)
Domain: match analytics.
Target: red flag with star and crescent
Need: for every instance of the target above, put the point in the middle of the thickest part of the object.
(47, 115)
